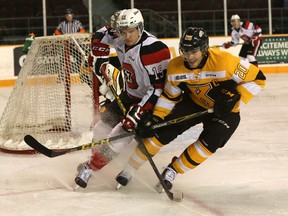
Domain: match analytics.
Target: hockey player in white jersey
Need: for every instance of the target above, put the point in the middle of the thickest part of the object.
(250, 34)
(144, 60)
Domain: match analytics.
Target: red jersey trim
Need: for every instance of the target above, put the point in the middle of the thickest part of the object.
(246, 24)
(156, 57)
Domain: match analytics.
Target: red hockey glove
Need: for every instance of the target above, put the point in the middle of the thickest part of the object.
(227, 45)
(99, 56)
(255, 40)
(98, 50)
(133, 117)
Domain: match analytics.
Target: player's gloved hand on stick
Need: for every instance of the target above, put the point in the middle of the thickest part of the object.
(133, 117)
(226, 99)
(99, 55)
(227, 45)
(146, 130)
(105, 91)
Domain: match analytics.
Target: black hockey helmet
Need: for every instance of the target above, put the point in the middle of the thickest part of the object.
(193, 38)
(69, 11)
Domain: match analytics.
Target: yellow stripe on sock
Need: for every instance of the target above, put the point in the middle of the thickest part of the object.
(153, 145)
(194, 154)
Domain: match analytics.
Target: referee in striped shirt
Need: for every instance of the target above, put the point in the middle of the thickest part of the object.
(70, 25)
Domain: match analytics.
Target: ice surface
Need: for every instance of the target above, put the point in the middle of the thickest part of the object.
(249, 176)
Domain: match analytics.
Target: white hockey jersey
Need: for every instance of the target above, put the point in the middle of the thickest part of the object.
(144, 64)
(246, 31)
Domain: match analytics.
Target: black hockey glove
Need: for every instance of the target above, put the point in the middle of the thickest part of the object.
(226, 98)
(145, 130)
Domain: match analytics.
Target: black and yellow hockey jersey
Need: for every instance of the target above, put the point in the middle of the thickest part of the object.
(220, 66)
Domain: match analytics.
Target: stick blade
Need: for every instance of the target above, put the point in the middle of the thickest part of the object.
(33, 143)
(178, 196)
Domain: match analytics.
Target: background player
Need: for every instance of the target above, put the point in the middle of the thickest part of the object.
(250, 34)
(70, 25)
(199, 79)
(144, 60)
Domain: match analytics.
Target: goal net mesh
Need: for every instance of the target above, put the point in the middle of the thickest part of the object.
(53, 96)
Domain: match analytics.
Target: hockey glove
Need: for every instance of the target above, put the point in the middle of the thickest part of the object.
(106, 92)
(133, 117)
(227, 45)
(146, 131)
(255, 40)
(99, 55)
(227, 97)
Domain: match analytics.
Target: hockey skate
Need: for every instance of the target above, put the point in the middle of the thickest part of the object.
(168, 175)
(84, 174)
(125, 176)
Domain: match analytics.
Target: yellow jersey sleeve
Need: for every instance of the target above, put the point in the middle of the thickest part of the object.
(172, 92)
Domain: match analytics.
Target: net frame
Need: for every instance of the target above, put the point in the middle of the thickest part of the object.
(55, 97)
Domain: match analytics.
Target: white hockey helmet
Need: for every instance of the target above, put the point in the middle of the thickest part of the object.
(130, 18)
(113, 19)
(235, 17)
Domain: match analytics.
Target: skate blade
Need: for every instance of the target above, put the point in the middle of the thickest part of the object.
(118, 186)
(76, 187)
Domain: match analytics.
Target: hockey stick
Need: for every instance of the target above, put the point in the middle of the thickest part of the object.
(181, 119)
(172, 196)
(216, 46)
(35, 144)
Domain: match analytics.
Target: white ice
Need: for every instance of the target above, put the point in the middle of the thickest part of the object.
(249, 176)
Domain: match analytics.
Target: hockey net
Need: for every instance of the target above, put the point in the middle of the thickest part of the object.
(53, 97)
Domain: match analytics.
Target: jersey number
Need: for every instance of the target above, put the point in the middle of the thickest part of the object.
(241, 71)
(158, 72)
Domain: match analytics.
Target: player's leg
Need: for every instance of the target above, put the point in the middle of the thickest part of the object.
(100, 131)
(103, 154)
(108, 151)
(253, 51)
(216, 132)
(163, 136)
(243, 51)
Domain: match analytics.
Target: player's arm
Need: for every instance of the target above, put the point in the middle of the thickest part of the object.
(172, 92)
(250, 80)
(234, 40)
(257, 36)
(170, 96)
(99, 56)
(155, 58)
